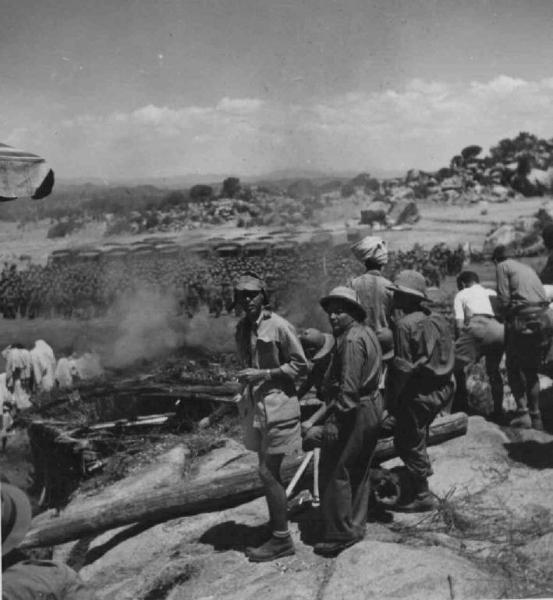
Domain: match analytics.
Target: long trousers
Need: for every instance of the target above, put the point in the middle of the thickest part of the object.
(417, 408)
(345, 469)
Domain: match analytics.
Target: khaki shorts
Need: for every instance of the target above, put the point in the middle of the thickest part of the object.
(278, 438)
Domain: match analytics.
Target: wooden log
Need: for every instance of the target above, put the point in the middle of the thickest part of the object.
(211, 493)
(124, 424)
(170, 389)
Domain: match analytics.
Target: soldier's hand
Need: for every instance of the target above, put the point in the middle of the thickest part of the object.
(306, 426)
(251, 375)
(330, 433)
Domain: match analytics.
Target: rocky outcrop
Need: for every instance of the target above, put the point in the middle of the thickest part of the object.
(490, 531)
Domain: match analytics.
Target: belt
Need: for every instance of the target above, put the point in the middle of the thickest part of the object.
(483, 315)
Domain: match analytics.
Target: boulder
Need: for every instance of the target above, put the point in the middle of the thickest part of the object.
(403, 211)
(375, 212)
(384, 570)
(452, 183)
(500, 192)
(402, 193)
(506, 235)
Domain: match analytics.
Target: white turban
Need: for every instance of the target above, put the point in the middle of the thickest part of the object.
(371, 247)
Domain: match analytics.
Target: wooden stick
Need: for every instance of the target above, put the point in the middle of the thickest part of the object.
(316, 494)
(298, 473)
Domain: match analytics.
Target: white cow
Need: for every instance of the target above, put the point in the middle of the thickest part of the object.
(71, 369)
(19, 375)
(44, 366)
(66, 371)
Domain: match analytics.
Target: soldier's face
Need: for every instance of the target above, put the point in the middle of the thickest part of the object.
(338, 316)
(251, 302)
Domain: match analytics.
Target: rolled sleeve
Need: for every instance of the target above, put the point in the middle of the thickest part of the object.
(295, 363)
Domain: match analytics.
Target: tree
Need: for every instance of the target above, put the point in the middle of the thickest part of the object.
(231, 187)
(174, 198)
(201, 192)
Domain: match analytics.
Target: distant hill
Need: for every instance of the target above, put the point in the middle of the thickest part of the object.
(281, 178)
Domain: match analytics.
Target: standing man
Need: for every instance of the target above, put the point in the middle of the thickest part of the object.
(421, 375)
(273, 356)
(524, 303)
(373, 290)
(351, 423)
(479, 334)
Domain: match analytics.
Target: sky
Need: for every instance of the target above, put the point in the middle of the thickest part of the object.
(123, 89)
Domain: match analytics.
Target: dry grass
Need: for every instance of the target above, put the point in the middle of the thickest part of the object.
(490, 537)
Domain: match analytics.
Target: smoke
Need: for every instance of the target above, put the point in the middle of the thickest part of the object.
(213, 335)
(146, 328)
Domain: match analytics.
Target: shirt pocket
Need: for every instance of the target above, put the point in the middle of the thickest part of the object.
(280, 408)
(267, 353)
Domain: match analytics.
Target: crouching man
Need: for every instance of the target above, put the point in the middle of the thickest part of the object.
(351, 424)
(421, 374)
(274, 358)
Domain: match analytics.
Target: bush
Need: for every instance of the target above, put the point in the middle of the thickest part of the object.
(201, 192)
(63, 228)
(118, 226)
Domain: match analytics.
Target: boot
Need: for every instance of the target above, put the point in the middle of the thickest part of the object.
(276, 547)
(332, 549)
(424, 500)
(522, 420)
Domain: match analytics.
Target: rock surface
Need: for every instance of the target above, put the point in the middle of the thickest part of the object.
(493, 525)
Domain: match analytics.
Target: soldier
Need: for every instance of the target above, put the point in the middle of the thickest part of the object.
(479, 334)
(373, 290)
(28, 579)
(524, 303)
(421, 375)
(273, 359)
(351, 422)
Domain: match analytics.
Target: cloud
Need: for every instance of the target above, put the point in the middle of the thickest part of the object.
(420, 125)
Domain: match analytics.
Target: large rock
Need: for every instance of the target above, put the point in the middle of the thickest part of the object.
(375, 213)
(452, 183)
(506, 235)
(403, 212)
(503, 482)
(382, 570)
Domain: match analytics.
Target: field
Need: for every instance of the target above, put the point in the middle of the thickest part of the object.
(438, 223)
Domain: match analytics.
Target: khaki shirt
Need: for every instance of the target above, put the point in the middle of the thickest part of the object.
(375, 297)
(272, 343)
(355, 369)
(419, 336)
(518, 285)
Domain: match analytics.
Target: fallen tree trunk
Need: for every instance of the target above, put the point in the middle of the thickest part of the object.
(214, 492)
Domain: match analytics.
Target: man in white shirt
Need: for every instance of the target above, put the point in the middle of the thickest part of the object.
(478, 334)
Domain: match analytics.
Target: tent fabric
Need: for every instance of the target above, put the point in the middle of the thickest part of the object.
(23, 175)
